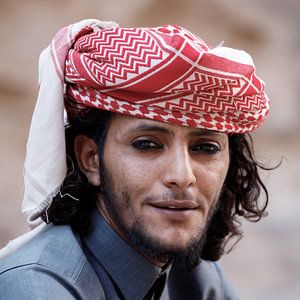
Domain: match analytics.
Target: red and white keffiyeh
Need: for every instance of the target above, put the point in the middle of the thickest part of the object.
(164, 73)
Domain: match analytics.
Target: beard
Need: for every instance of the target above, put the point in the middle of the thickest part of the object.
(139, 236)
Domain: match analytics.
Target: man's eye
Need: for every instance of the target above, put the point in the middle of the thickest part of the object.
(209, 148)
(145, 145)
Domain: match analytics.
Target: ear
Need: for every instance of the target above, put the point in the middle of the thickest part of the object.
(86, 152)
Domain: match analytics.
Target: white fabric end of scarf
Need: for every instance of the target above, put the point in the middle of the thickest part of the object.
(33, 216)
(45, 164)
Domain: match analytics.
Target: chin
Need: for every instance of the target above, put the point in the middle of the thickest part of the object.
(175, 235)
(177, 243)
(176, 246)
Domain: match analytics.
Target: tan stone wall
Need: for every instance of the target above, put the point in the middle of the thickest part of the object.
(266, 264)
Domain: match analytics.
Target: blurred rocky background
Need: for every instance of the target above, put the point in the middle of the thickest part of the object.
(265, 264)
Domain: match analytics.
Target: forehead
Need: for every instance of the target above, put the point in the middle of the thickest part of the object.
(123, 124)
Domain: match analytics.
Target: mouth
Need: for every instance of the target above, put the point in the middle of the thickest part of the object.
(176, 204)
(175, 209)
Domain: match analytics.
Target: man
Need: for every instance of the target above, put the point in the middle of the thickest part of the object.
(145, 183)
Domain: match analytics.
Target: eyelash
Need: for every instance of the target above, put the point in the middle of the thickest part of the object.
(148, 145)
(145, 145)
(209, 148)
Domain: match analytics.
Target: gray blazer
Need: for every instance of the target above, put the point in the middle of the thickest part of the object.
(53, 266)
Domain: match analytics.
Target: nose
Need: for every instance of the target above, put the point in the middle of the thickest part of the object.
(178, 171)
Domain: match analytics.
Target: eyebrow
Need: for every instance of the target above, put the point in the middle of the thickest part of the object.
(200, 131)
(157, 128)
(146, 127)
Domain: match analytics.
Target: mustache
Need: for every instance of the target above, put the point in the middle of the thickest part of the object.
(171, 195)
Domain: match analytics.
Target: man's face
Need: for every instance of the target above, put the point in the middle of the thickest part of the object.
(160, 182)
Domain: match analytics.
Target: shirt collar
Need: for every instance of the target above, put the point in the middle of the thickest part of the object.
(131, 272)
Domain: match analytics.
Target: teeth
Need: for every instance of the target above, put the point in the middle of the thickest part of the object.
(171, 206)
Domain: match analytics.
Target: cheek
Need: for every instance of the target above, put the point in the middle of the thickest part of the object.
(211, 180)
(132, 175)
(133, 170)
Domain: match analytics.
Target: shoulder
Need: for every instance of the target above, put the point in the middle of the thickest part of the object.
(52, 248)
(215, 268)
(52, 262)
(207, 279)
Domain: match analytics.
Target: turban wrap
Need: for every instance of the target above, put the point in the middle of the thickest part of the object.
(165, 73)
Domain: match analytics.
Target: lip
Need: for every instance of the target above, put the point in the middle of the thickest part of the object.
(175, 204)
(179, 210)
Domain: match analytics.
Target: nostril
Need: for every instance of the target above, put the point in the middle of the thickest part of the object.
(181, 183)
